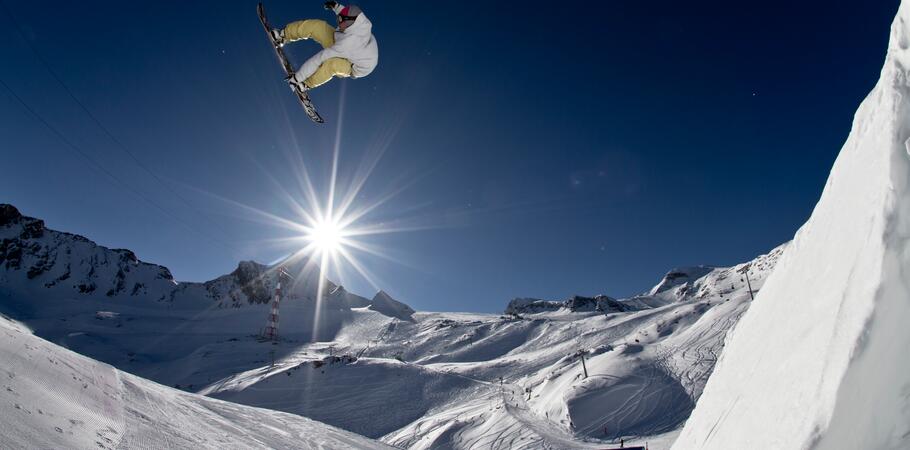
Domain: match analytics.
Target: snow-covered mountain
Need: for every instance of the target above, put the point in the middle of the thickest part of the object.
(820, 361)
(679, 277)
(67, 265)
(110, 306)
(385, 304)
(458, 380)
(376, 367)
(577, 303)
(54, 398)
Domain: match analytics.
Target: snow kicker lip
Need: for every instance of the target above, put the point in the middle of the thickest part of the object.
(644, 403)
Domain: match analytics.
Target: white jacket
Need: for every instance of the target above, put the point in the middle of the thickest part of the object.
(355, 44)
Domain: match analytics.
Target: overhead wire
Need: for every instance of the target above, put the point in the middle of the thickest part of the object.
(98, 166)
(109, 134)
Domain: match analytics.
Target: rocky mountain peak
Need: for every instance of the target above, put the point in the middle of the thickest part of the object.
(8, 214)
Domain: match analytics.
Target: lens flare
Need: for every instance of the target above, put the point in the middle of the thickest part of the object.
(331, 226)
(327, 236)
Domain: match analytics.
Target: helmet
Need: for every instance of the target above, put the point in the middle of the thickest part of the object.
(349, 13)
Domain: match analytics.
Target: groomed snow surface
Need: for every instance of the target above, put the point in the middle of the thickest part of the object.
(820, 361)
(54, 398)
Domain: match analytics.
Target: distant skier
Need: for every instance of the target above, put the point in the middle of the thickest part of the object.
(348, 51)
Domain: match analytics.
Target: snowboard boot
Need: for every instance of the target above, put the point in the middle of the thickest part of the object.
(278, 36)
(297, 85)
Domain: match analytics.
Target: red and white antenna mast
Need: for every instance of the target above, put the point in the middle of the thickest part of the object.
(271, 328)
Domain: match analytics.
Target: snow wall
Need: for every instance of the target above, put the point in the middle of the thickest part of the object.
(822, 358)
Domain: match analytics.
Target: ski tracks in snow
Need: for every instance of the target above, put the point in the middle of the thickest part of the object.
(549, 434)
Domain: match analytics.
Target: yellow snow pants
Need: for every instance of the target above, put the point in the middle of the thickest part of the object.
(324, 34)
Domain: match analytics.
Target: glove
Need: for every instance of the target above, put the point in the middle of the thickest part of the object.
(330, 5)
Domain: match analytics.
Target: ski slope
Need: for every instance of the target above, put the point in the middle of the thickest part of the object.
(376, 367)
(647, 366)
(54, 398)
(820, 360)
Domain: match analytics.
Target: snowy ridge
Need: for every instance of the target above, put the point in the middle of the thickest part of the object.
(54, 398)
(678, 277)
(47, 263)
(60, 262)
(820, 360)
(385, 304)
(577, 303)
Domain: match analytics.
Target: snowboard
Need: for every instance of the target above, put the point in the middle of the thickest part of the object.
(288, 69)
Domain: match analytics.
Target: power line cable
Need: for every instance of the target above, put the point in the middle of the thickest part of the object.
(103, 170)
(98, 122)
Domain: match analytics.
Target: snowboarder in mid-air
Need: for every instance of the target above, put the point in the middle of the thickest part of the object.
(348, 51)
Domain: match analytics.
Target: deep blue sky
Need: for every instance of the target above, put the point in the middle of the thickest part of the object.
(552, 149)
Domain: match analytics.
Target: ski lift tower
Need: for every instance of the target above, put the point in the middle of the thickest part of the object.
(745, 271)
(271, 328)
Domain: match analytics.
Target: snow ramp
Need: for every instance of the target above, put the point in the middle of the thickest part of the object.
(820, 359)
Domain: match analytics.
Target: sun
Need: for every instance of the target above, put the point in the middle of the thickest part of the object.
(327, 236)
